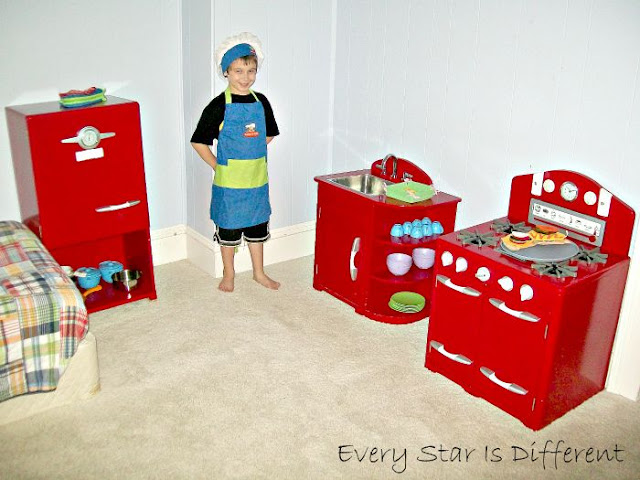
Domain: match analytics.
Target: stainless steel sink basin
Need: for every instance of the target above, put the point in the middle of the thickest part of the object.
(363, 183)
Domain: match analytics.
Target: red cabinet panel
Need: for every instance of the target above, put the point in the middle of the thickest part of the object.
(534, 346)
(87, 202)
(341, 244)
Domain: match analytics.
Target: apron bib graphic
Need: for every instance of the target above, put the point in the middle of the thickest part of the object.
(240, 190)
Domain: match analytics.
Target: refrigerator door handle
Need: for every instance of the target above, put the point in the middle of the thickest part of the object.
(355, 247)
(111, 208)
(88, 137)
(446, 281)
(500, 305)
(456, 357)
(512, 387)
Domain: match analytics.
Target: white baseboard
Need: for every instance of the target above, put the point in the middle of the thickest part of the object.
(182, 242)
(169, 244)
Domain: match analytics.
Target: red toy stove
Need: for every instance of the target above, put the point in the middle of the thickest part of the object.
(524, 317)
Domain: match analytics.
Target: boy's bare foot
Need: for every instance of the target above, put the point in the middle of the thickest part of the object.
(226, 284)
(266, 281)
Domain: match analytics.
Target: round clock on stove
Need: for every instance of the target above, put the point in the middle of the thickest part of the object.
(569, 191)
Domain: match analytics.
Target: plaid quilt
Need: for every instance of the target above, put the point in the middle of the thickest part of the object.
(42, 314)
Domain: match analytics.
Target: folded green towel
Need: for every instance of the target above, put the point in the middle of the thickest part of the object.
(410, 192)
(82, 98)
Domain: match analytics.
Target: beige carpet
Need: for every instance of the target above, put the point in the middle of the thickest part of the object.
(263, 384)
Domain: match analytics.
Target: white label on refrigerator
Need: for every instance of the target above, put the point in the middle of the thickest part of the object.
(89, 154)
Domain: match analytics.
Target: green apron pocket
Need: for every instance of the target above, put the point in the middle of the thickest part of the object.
(242, 173)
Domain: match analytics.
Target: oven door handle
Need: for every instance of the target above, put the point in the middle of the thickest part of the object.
(512, 387)
(112, 208)
(456, 357)
(355, 247)
(446, 281)
(500, 305)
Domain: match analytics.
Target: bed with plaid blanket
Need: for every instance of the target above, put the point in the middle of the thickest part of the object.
(42, 315)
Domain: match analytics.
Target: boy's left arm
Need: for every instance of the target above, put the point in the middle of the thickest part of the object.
(269, 140)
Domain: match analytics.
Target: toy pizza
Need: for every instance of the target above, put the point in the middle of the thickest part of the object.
(539, 235)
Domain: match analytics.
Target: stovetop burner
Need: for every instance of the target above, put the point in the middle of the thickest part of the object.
(507, 227)
(478, 239)
(556, 269)
(590, 256)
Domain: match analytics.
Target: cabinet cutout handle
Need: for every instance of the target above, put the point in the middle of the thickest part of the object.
(355, 247)
(446, 281)
(512, 387)
(456, 357)
(111, 208)
(500, 305)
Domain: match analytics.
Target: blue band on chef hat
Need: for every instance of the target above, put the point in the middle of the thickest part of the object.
(240, 50)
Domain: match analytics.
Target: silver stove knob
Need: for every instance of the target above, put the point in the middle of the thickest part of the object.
(461, 265)
(483, 274)
(446, 258)
(506, 283)
(526, 292)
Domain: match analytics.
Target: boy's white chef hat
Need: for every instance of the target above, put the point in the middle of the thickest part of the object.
(234, 47)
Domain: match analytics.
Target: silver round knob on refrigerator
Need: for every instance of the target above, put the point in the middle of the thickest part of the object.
(446, 258)
(526, 292)
(461, 265)
(483, 274)
(506, 283)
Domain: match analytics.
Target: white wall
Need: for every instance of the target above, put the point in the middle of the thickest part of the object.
(476, 92)
(197, 91)
(132, 48)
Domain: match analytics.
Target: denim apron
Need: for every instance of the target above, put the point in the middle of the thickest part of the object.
(240, 191)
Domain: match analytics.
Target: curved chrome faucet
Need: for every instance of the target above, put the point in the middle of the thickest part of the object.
(383, 165)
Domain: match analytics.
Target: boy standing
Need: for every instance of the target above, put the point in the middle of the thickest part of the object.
(243, 123)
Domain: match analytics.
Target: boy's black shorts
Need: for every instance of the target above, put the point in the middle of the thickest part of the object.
(233, 238)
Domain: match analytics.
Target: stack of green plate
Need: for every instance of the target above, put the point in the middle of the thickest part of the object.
(406, 302)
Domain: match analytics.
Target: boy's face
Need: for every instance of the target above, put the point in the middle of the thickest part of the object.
(241, 75)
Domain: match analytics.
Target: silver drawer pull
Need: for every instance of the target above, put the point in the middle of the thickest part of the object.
(500, 305)
(512, 387)
(88, 137)
(466, 290)
(456, 357)
(355, 247)
(111, 208)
